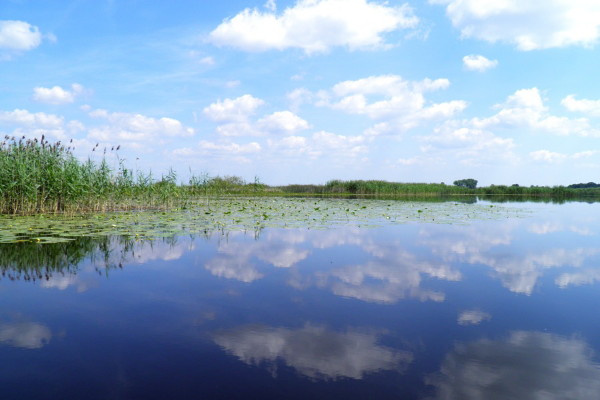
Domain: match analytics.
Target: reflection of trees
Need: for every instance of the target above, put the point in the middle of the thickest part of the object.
(527, 365)
(313, 351)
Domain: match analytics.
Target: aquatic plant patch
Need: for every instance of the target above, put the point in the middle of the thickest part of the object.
(245, 214)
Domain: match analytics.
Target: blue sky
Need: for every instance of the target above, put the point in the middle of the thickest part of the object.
(304, 91)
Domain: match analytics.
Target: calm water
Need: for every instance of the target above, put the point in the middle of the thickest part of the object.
(490, 310)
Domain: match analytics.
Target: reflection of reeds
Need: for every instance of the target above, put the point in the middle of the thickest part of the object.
(30, 261)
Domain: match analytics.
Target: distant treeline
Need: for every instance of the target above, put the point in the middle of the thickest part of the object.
(584, 185)
(377, 187)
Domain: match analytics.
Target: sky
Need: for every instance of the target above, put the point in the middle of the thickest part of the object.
(305, 91)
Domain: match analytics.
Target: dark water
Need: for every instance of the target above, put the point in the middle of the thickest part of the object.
(491, 310)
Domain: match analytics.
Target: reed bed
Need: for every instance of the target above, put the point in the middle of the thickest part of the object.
(41, 177)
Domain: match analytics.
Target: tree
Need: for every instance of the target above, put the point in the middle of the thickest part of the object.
(467, 183)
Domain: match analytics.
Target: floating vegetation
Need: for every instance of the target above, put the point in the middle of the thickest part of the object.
(243, 214)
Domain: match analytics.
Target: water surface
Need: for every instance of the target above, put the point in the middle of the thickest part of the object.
(492, 309)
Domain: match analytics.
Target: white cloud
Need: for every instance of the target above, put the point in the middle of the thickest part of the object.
(32, 120)
(283, 122)
(338, 148)
(547, 156)
(57, 95)
(136, 127)
(19, 36)
(234, 118)
(313, 351)
(591, 107)
(525, 109)
(233, 110)
(526, 365)
(399, 103)
(472, 317)
(528, 24)
(467, 145)
(314, 26)
(478, 63)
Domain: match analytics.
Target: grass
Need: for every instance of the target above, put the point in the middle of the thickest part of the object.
(39, 177)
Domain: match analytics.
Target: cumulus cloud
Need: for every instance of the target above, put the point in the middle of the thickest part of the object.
(590, 107)
(235, 118)
(135, 127)
(528, 24)
(338, 148)
(26, 118)
(467, 145)
(467, 140)
(478, 63)
(398, 103)
(314, 26)
(313, 351)
(19, 36)
(526, 365)
(57, 95)
(285, 122)
(233, 110)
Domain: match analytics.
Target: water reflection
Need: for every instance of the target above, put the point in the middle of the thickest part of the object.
(209, 311)
(57, 265)
(473, 317)
(313, 351)
(234, 259)
(518, 268)
(391, 275)
(24, 334)
(527, 365)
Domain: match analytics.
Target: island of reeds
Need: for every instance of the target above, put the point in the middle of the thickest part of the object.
(37, 176)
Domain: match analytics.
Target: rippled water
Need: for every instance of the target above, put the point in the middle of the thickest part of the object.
(496, 309)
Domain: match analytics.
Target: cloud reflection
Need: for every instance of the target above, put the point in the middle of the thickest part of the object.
(27, 335)
(313, 351)
(518, 271)
(234, 260)
(394, 274)
(527, 365)
(473, 317)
